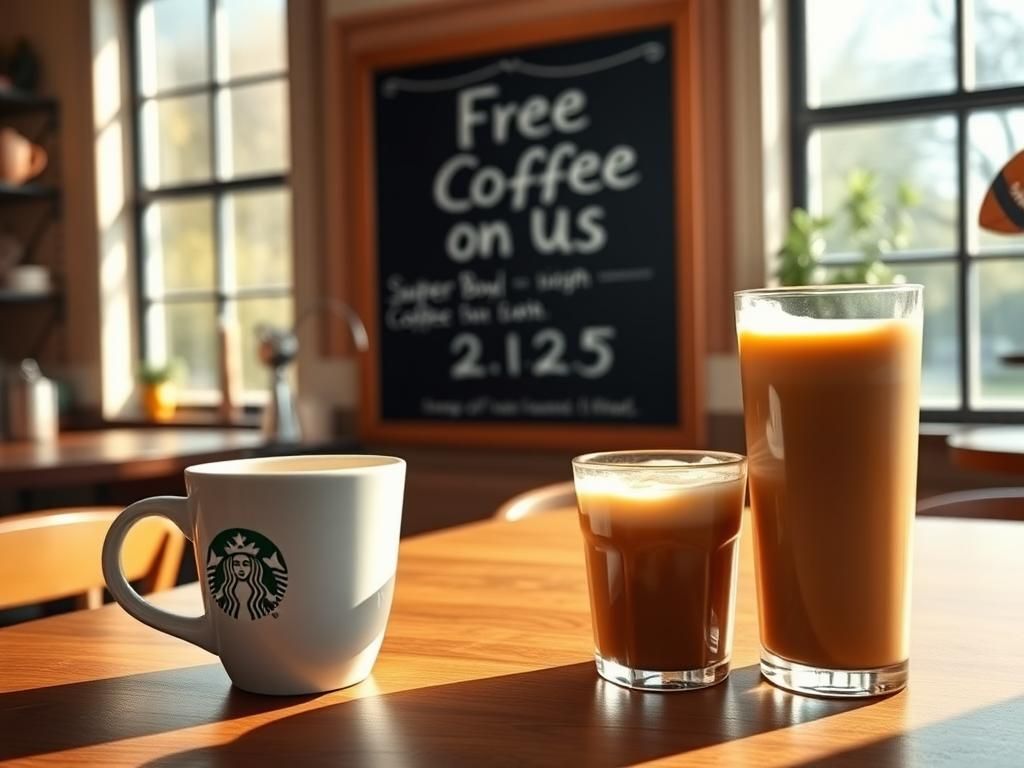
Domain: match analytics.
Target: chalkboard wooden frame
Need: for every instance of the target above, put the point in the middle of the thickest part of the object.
(465, 29)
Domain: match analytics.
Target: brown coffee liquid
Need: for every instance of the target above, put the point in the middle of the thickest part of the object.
(831, 415)
(661, 566)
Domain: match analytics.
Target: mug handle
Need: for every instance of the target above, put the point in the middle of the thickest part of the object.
(198, 630)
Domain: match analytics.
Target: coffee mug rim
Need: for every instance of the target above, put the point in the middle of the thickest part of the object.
(237, 468)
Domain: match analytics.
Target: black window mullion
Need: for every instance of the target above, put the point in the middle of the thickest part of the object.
(960, 54)
(200, 295)
(209, 87)
(875, 111)
(898, 257)
(187, 296)
(221, 306)
(996, 254)
(212, 187)
(142, 292)
(217, 233)
(211, 51)
(261, 292)
(799, 128)
(963, 265)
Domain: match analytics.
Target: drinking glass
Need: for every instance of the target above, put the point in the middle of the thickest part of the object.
(660, 531)
(831, 379)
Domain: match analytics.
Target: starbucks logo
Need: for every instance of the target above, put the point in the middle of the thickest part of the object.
(246, 573)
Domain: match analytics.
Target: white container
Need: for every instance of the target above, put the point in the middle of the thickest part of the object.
(31, 404)
(28, 279)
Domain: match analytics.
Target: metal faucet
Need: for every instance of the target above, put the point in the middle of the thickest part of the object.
(278, 347)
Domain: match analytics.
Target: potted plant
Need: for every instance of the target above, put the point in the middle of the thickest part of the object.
(873, 227)
(159, 391)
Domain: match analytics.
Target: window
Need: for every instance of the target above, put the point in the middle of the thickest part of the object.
(214, 207)
(929, 93)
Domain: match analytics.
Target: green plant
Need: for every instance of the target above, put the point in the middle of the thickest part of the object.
(873, 227)
(153, 374)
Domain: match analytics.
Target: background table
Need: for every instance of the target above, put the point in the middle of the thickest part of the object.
(487, 661)
(112, 455)
(989, 449)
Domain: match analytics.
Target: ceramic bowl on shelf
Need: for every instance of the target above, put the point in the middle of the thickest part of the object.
(28, 279)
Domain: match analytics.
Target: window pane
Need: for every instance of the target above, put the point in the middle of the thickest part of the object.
(998, 43)
(179, 246)
(253, 129)
(173, 44)
(258, 239)
(919, 152)
(185, 333)
(993, 138)
(940, 374)
(176, 141)
(998, 332)
(877, 49)
(252, 37)
(251, 314)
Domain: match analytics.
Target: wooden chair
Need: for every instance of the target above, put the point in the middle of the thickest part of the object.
(56, 554)
(991, 503)
(537, 500)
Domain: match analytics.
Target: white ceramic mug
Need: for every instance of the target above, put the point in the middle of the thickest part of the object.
(297, 559)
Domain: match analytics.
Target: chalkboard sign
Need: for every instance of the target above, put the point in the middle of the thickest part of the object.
(528, 269)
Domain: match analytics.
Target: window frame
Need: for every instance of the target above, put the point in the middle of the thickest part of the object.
(960, 103)
(214, 190)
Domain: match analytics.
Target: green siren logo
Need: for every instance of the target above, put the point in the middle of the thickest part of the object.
(246, 573)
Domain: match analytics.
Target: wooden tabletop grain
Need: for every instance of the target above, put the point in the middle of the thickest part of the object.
(487, 661)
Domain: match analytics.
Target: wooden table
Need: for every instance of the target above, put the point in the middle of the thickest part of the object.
(110, 455)
(487, 662)
(989, 449)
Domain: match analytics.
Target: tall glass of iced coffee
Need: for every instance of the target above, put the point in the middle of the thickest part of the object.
(831, 379)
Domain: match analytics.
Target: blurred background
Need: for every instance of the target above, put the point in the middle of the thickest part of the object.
(185, 183)
(924, 93)
(171, 187)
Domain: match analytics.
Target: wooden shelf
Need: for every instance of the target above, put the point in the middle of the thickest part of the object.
(17, 102)
(10, 193)
(24, 297)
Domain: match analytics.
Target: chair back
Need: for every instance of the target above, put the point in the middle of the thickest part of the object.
(543, 499)
(56, 554)
(991, 503)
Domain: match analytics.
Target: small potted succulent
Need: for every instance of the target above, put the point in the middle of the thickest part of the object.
(159, 391)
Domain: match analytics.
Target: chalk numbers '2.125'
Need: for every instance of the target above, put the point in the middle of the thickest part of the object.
(544, 353)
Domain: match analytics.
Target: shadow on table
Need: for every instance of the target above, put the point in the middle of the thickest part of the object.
(45, 720)
(557, 716)
(990, 736)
